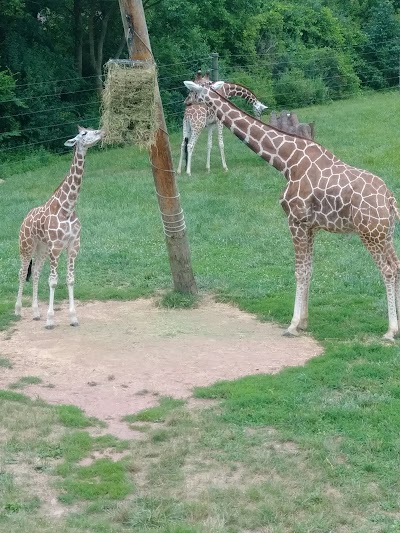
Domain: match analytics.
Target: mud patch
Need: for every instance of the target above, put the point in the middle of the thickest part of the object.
(125, 355)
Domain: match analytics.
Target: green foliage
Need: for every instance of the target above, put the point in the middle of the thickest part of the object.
(293, 89)
(382, 46)
(316, 50)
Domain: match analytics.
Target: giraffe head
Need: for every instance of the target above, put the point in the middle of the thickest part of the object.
(201, 91)
(259, 108)
(86, 138)
(202, 80)
(199, 80)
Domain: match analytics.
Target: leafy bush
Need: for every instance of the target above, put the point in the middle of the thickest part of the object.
(294, 89)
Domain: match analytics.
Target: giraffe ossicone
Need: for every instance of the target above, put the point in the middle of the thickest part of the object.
(322, 192)
(198, 116)
(53, 227)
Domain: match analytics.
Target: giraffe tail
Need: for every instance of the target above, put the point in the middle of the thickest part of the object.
(186, 151)
(29, 273)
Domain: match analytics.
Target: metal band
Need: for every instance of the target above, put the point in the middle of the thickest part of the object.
(172, 227)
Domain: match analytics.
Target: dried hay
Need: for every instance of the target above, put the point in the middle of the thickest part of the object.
(128, 103)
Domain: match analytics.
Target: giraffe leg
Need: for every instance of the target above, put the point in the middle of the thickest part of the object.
(303, 240)
(190, 148)
(40, 257)
(210, 130)
(72, 253)
(53, 280)
(25, 260)
(184, 145)
(386, 260)
(220, 127)
(395, 261)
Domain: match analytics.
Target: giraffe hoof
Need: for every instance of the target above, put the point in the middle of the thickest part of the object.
(36, 318)
(50, 326)
(74, 324)
(388, 337)
(290, 333)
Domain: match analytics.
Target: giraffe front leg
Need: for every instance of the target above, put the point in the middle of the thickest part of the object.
(53, 280)
(70, 283)
(36, 270)
(184, 145)
(303, 240)
(190, 148)
(209, 146)
(221, 145)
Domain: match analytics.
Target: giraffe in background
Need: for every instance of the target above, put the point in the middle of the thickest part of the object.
(322, 192)
(198, 116)
(53, 227)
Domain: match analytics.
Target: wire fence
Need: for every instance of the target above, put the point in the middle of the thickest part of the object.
(49, 114)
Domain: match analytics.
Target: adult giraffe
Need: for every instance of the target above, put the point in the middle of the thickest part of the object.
(322, 192)
(198, 116)
(49, 229)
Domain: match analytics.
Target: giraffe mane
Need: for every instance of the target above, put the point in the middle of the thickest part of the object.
(261, 122)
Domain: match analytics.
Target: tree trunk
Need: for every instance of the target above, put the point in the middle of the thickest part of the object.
(78, 35)
(97, 38)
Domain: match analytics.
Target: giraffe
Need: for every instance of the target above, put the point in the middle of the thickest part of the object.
(287, 121)
(53, 227)
(322, 192)
(198, 116)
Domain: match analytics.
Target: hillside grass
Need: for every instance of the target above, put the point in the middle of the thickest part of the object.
(311, 449)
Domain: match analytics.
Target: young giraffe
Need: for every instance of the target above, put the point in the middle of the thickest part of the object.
(49, 229)
(322, 192)
(198, 116)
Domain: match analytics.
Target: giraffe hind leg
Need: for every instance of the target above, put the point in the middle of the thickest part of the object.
(23, 272)
(386, 260)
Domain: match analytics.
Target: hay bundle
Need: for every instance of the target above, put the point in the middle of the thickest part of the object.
(128, 103)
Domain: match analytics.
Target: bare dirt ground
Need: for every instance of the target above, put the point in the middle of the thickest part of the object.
(125, 355)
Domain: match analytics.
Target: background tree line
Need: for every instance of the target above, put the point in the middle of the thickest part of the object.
(291, 53)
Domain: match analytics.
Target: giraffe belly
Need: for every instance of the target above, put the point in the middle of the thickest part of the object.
(332, 222)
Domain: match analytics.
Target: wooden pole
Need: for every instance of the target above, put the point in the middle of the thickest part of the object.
(139, 47)
(214, 67)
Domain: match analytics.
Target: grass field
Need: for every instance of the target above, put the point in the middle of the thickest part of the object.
(312, 449)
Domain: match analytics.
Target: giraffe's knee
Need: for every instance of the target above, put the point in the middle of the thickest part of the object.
(53, 280)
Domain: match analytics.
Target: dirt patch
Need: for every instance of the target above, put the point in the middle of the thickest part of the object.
(126, 354)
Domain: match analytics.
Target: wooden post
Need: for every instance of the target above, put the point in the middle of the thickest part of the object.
(214, 67)
(139, 47)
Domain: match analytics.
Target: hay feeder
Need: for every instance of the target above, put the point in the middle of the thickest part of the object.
(128, 102)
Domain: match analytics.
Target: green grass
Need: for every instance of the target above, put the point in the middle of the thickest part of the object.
(178, 300)
(156, 414)
(5, 362)
(311, 449)
(25, 381)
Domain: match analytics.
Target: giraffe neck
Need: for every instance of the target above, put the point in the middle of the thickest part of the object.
(279, 149)
(68, 192)
(233, 89)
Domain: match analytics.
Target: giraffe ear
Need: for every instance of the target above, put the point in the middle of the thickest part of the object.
(70, 142)
(217, 85)
(193, 86)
